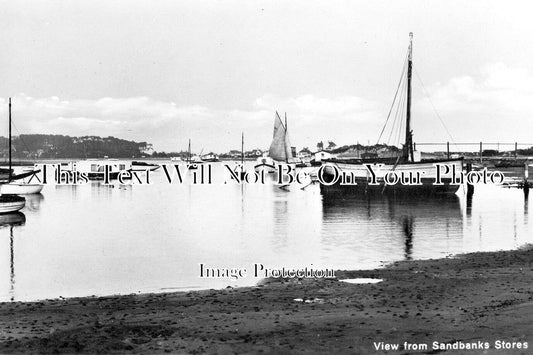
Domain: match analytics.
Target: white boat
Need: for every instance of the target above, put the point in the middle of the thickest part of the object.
(15, 188)
(94, 169)
(265, 163)
(196, 160)
(209, 157)
(143, 166)
(280, 151)
(11, 203)
(16, 181)
(406, 164)
(193, 161)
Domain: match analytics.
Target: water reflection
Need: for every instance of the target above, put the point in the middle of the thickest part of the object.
(407, 222)
(526, 203)
(97, 239)
(33, 202)
(11, 220)
(376, 228)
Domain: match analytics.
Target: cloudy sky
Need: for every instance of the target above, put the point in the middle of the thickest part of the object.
(165, 71)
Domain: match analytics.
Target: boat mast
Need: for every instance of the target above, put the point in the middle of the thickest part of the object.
(189, 155)
(408, 148)
(9, 179)
(242, 152)
(286, 132)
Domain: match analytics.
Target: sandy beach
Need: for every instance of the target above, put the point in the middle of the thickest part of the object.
(474, 300)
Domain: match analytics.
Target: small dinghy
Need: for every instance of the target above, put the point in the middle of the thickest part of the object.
(11, 203)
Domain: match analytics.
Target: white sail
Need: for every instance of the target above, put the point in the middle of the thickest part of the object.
(280, 147)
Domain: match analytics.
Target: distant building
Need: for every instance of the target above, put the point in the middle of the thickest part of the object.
(147, 149)
(255, 153)
(304, 153)
(322, 155)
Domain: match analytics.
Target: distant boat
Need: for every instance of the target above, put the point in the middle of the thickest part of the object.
(193, 161)
(403, 164)
(141, 165)
(209, 157)
(95, 168)
(196, 160)
(241, 173)
(280, 149)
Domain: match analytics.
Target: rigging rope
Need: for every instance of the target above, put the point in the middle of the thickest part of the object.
(399, 113)
(435, 110)
(22, 140)
(394, 100)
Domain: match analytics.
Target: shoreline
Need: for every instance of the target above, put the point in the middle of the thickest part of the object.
(471, 298)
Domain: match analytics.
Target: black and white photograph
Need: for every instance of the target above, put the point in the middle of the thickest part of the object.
(275, 177)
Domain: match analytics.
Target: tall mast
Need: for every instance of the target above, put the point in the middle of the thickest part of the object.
(408, 148)
(286, 132)
(242, 150)
(9, 179)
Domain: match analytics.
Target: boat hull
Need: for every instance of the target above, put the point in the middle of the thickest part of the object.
(265, 164)
(11, 203)
(20, 189)
(12, 219)
(359, 181)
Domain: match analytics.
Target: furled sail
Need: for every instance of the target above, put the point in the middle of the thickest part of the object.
(280, 149)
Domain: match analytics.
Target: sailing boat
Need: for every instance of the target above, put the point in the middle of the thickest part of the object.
(242, 172)
(193, 161)
(403, 165)
(280, 149)
(15, 188)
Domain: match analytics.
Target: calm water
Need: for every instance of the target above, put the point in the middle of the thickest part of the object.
(99, 240)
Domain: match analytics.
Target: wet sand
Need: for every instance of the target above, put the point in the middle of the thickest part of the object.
(475, 298)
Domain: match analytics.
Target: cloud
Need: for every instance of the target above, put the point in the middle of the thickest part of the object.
(493, 105)
(169, 126)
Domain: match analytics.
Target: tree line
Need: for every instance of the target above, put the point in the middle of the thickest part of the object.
(54, 146)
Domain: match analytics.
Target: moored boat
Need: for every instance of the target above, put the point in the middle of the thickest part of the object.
(265, 163)
(95, 169)
(8, 202)
(142, 165)
(14, 188)
(8, 176)
(193, 161)
(11, 203)
(280, 151)
(375, 176)
(209, 158)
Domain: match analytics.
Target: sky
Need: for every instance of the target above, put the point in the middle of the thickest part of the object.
(166, 71)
